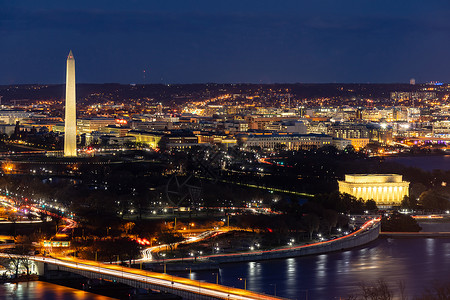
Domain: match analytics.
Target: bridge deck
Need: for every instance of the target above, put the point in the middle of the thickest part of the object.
(165, 282)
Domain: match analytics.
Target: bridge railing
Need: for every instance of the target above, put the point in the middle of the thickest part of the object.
(156, 280)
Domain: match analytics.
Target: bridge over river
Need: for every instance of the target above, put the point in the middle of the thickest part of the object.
(186, 288)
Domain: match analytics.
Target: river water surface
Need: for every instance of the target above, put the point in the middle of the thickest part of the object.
(426, 163)
(417, 262)
(37, 290)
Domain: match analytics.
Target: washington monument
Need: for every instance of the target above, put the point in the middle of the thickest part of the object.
(70, 126)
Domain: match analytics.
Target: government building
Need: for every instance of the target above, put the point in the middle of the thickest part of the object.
(385, 189)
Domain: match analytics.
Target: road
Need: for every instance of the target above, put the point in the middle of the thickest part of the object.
(367, 225)
(147, 255)
(165, 280)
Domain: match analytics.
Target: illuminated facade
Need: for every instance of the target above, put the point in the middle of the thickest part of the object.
(150, 139)
(87, 125)
(70, 126)
(290, 141)
(385, 189)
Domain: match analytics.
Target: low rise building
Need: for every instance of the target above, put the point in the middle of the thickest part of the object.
(341, 144)
(148, 138)
(272, 141)
(93, 124)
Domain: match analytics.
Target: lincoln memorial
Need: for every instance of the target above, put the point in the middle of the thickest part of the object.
(385, 189)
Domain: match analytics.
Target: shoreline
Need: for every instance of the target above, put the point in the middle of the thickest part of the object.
(366, 234)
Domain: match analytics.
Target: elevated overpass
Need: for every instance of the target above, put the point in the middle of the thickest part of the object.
(186, 288)
(7, 241)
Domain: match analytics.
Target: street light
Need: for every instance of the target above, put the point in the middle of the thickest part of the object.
(217, 277)
(163, 256)
(245, 282)
(275, 288)
(306, 293)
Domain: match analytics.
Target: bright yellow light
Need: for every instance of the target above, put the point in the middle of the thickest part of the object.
(8, 167)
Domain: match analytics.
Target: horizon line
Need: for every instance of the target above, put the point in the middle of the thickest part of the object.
(231, 83)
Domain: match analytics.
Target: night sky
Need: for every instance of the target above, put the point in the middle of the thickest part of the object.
(229, 41)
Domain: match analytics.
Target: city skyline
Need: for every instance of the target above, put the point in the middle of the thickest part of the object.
(246, 150)
(200, 42)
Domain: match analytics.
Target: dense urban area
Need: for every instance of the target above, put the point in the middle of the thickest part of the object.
(165, 173)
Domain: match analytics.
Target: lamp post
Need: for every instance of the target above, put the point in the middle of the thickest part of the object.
(245, 282)
(217, 277)
(275, 288)
(163, 256)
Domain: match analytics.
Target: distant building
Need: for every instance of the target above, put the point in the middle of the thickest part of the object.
(216, 139)
(413, 96)
(93, 124)
(361, 133)
(384, 189)
(341, 144)
(7, 129)
(291, 126)
(260, 123)
(349, 131)
(359, 143)
(150, 139)
(317, 128)
(441, 128)
(272, 141)
(12, 116)
(236, 126)
(112, 140)
(179, 140)
(115, 130)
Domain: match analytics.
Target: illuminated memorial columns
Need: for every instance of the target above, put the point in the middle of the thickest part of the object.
(385, 189)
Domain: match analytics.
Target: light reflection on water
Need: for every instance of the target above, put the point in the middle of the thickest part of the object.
(415, 262)
(44, 291)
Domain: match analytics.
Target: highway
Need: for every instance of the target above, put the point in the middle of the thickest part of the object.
(147, 252)
(367, 225)
(163, 280)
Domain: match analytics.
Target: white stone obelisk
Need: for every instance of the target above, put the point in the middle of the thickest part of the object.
(70, 127)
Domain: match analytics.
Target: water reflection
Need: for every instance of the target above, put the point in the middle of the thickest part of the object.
(429, 247)
(45, 291)
(291, 270)
(321, 270)
(415, 262)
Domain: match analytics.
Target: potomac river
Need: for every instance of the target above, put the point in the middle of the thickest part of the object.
(417, 262)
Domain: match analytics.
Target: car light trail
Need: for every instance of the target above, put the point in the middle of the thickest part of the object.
(169, 281)
(365, 226)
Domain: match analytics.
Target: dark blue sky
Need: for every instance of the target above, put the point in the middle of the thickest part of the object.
(190, 41)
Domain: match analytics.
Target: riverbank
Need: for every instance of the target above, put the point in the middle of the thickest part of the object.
(413, 235)
(368, 232)
(22, 278)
